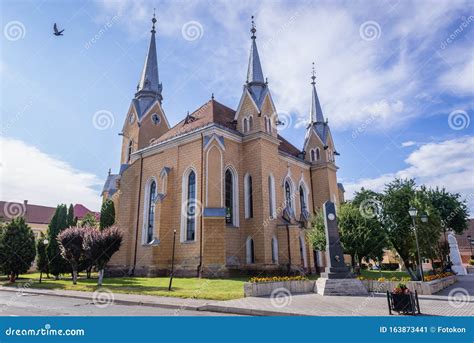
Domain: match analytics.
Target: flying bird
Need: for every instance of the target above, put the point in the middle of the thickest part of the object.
(57, 32)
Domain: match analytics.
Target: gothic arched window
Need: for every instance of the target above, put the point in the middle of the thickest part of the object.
(287, 194)
(250, 251)
(229, 196)
(191, 207)
(151, 212)
(248, 197)
(318, 154)
(250, 123)
(302, 199)
(129, 150)
(274, 250)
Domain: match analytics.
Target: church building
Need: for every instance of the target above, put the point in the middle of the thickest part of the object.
(237, 196)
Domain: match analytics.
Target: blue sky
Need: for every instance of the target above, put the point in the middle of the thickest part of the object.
(395, 80)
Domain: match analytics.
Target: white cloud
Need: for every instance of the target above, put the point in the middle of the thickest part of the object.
(356, 79)
(408, 144)
(448, 164)
(26, 173)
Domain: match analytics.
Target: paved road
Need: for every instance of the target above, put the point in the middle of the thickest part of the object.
(15, 304)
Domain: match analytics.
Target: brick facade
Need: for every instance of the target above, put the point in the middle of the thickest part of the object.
(174, 179)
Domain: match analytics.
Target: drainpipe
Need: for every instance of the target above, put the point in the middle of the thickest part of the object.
(199, 271)
(138, 216)
(315, 255)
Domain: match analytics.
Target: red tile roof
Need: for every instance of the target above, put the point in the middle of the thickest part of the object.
(215, 112)
(36, 214)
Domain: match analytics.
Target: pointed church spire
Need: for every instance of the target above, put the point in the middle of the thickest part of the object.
(149, 86)
(254, 72)
(315, 113)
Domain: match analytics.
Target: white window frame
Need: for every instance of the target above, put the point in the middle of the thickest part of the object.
(247, 195)
(184, 201)
(275, 249)
(271, 195)
(235, 194)
(146, 211)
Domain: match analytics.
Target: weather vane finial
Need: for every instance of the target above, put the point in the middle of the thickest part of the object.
(153, 21)
(253, 29)
(313, 75)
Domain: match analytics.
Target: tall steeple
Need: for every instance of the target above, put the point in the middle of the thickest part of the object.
(315, 113)
(254, 72)
(256, 84)
(149, 87)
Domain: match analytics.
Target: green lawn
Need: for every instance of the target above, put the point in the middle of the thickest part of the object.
(375, 274)
(215, 289)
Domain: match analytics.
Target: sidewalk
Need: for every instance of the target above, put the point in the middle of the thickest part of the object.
(295, 305)
(372, 305)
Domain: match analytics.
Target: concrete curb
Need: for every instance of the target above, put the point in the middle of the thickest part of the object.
(247, 311)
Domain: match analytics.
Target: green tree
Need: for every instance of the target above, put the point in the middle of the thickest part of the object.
(317, 232)
(453, 211)
(56, 263)
(18, 248)
(398, 198)
(70, 241)
(107, 214)
(71, 220)
(362, 235)
(88, 220)
(41, 256)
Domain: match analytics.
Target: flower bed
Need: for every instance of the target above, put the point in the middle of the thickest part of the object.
(265, 288)
(278, 279)
(423, 288)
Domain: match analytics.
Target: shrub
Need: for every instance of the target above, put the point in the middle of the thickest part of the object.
(389, 266)
(381, 279)
(70, 241)
(17, 248)
(99, 246)
(471, 262)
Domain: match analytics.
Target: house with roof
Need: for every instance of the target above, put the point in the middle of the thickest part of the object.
(235, 194)
(37, 217)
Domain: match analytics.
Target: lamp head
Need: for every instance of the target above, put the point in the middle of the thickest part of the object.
(413, 211)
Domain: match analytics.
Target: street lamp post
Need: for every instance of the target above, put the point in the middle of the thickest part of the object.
(413, 212)
(45, 242)
(172, 260)
(470, 244)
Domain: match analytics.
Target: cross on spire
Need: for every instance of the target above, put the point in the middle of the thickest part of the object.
(313, 76)
(253, 29)
(153, 21)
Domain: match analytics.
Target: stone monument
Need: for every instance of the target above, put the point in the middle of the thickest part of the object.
(337, 279)
(455, 256)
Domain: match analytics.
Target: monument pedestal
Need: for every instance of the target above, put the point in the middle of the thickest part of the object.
(325, 286)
